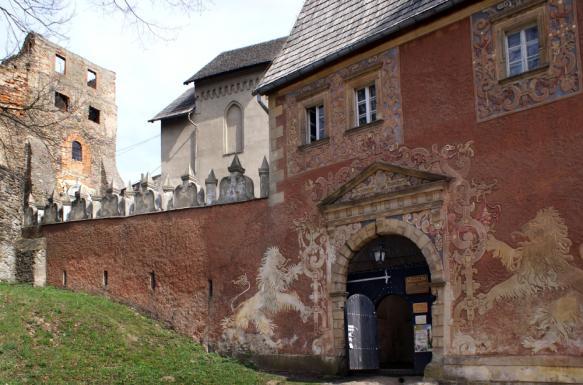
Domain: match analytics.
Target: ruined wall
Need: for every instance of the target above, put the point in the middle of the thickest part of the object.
(28, 82)
(503, 236)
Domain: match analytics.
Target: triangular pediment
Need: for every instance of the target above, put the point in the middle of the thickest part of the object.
(380, 180)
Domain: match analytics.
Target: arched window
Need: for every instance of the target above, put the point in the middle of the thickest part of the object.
(234, 129)
(77, 151)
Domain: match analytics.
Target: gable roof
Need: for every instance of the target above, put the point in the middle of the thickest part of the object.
(262, 53)
(180, 106)
(327, 30)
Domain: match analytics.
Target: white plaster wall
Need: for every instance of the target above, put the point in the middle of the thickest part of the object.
(178, 148)
(213, 98)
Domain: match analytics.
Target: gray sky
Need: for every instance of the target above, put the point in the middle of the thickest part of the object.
(150, 72)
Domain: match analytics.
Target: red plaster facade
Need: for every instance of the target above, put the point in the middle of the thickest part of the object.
(501, 232)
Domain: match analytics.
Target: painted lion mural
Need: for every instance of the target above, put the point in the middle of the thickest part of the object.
(273, 296)
(541, 263)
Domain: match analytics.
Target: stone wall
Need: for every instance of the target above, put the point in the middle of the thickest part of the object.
(28, 82)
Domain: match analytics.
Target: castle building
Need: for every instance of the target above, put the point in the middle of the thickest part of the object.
(218, 117)
(57, 129)
(423, 211)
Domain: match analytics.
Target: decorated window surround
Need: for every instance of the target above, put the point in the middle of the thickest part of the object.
(311, 101)
(497, 95)
(515, 22)
(358, 82)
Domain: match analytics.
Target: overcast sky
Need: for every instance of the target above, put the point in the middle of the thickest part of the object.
(150, 72)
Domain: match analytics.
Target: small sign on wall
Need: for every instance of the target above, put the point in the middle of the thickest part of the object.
(422, 338)
(420, 319)
(420, 307)
(417, 284)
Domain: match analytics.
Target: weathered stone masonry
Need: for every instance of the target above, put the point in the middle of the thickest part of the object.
(28, 86)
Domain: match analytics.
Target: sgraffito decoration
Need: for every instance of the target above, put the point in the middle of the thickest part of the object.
(561, 78)
(450, 160)
(381, 182)
(537, 268)
(540, 264)
(430, 224)
(251, 326)
(343, 146)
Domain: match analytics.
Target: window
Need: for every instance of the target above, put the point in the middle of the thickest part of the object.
(366, 105)
(234, 130)
(522, 50)
(316, 124)
(61, 101)
(60, 64)
(521, 41)
(91, 79)
(77, 151)
(65, 278)
(105, 278)
(94, 114)
(153, 280)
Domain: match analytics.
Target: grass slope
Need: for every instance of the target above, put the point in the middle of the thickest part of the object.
(51, 336)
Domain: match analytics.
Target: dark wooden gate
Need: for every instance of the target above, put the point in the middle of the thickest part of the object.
(361, 333)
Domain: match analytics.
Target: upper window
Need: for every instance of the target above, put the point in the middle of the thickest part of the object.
(521, 42)
(76, 151)
(522, 50)
(61, 101)
(234, 130)
(366, 105)
(316, 124)
(94, 114)
(60, 64)
(92, 79)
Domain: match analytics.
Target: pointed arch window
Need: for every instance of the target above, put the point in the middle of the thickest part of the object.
(77, 151)
(234, 129)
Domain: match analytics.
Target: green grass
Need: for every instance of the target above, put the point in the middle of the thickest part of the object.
(52, 336)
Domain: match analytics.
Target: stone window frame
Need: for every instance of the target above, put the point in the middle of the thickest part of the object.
(94, 115)
(240, 145)
(519, 19)
(362, 80)
(92, 83)
(64, 99)
(62, 57)
(320, 98)
(76, 151)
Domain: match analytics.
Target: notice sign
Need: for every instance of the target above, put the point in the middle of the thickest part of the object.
(420, 307)
(417, 284)
(422, 338)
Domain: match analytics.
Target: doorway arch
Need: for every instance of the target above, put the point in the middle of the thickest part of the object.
(338, 288)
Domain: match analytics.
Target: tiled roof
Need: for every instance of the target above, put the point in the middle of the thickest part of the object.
(181, 106)
(327, 30)
(262, 53)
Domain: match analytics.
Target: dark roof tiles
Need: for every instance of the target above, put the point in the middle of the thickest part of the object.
(181, 106)
(262, 53)
(326, 30)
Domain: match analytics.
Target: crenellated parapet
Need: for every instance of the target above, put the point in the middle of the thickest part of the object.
(148, 197)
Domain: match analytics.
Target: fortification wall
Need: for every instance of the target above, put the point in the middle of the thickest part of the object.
(501, 229)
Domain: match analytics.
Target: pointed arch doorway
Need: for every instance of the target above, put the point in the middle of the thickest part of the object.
(392, 272)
